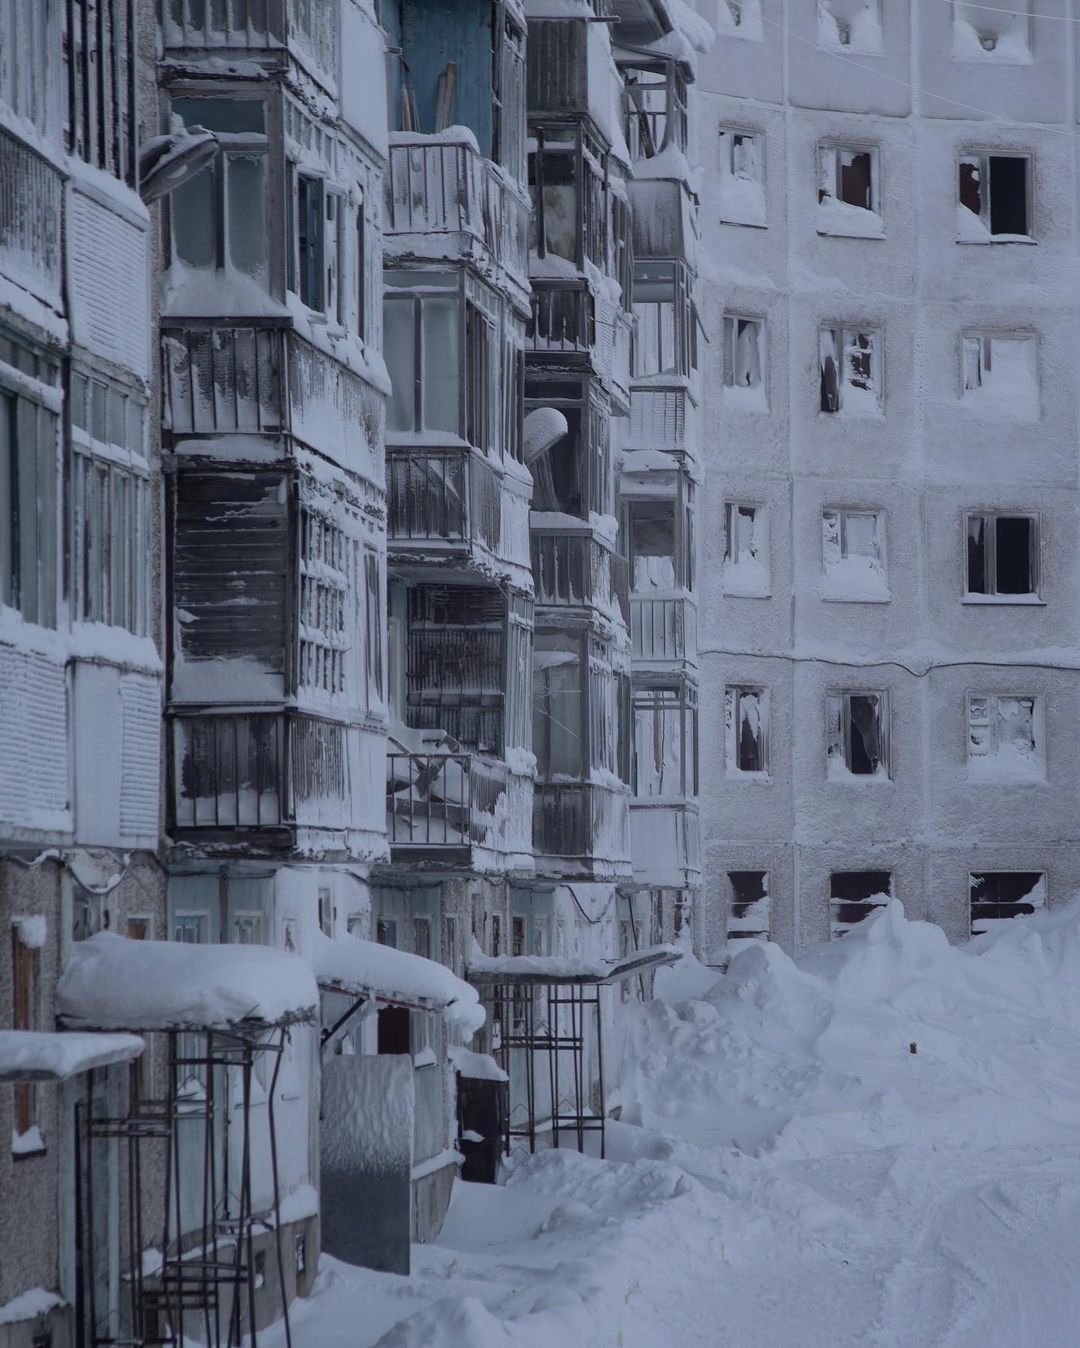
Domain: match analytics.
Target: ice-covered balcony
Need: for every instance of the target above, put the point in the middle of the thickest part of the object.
(581, 827)
(222, 28)
(445, 202)
(455, 809)
(665, 843)
(442, 502)
(270, 772)
(573, 570)
(663, 629)
(569, 320)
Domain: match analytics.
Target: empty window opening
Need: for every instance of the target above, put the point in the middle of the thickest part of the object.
(1000, 373)
(742, 177)
(995, 197)
(1004, 736)
(984, 32)
(854, 25)
(748, 906)
(746, 731)
(744, 353)
(858, 735)
(853, 554)
(850, 374)
(393, 1029)
(665, 742)
(854, 895)
(746, 549)
(652, 527)
(386, 931)
(999, 896)
(1002, 556)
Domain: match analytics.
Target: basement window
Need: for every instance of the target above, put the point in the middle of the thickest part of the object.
(744, 359)
(746, 731)
(1002, 558)
(1004, 737)
(1000, 375)
(994, 198)
(854, 895)
(848, 191)
(748, 906)
(742, 177)
(858, 735)
(850, 371)
(746, 550)
(853, 555)
(999, 896)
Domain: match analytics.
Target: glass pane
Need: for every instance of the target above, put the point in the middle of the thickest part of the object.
(193, 220)
(440, 370)
(232, 115)
(246, 187)
(399, 349)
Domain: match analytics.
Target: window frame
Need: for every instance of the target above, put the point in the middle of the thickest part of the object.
(733, 695)
(731, 320)
(26, 1015)
(1038, 731)
(987, 337)
(991, 595)
(761, 524)
(982, 157)
(829, 166)
(840, 333)
(884, 731)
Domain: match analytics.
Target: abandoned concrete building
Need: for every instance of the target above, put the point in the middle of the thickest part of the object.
(888, 641)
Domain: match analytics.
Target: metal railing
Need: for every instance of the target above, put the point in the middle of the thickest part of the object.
(573, 569)
(562, 318)
(445, 800)
(447, 495)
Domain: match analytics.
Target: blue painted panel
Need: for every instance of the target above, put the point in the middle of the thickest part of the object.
(435, 33)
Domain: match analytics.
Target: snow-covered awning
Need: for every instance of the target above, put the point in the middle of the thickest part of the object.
(112, 983)
(365, 969)
(50, 1055)
(490, 970)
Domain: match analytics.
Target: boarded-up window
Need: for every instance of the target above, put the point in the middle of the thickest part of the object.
(999, 896)
(854, 895)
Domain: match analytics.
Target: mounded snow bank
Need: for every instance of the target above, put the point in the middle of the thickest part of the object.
(112, 983)
(813, 1056)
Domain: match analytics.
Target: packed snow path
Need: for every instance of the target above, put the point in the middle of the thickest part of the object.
(787, 1171)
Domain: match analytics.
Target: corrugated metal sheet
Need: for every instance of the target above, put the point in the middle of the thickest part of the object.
(141, 756)
(109, 279)
(34, 740)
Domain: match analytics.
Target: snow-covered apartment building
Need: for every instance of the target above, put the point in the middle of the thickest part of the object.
(889, 630)
(347, 619)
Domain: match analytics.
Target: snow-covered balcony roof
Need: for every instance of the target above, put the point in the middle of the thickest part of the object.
(488, 970)
(112, 983)
(365, 969)
(50, 1055)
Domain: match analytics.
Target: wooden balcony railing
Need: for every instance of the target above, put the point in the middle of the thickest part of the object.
(446, 800)
(663, 629)
(562, 318)
(581, 820)
(442, 496)
(233, 24)
(575, 570)
(257, 770)
(434, 187)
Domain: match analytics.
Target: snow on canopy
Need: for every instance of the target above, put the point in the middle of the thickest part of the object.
(349, 964)
(110, 982)
(48, 1055)
(559, 968)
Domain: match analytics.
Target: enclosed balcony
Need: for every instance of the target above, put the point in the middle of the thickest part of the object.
(443, 201)
(261, 772)
(568, 323)
(574, 570)
(199, 28)
(441, 501)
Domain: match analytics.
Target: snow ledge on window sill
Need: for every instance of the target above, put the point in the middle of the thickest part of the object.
(1004, 600)
(741, 775)
(1000, 238)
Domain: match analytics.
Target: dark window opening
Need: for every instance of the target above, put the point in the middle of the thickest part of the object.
(997, 895)
(1002, 554)
(393, 1029)
(748, 914)
(855, 895)
(854, 178)
(997, 189)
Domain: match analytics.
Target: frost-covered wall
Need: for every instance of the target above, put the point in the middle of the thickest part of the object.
(914, 251)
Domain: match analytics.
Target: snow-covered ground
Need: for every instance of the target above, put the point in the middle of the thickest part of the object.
(787, 1171)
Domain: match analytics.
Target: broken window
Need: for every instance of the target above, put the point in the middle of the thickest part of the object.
(421, 345)
(650, 527)
(850, 370)
(746, 730)
(573, 476)
(995, 197)
(558, 706)
(664, 329)
(854, 895)
(1004, 736)
(1002, 555)
(555, 224)
(739, 18)
(748, 906)
(848, 175)
(28, 490)
(853, 554)
(987, 32)
(746, 549)
(655, 103)
(744, 354)
(219, 216)
(857, 743)
(1000, 373)
(665, 741)
(999, 896)
(742, 177)
(854, 25)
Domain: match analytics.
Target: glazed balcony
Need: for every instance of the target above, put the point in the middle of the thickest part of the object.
(261, 772)
(443, 200)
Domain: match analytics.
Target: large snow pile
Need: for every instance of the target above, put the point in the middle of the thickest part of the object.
(815, 1055)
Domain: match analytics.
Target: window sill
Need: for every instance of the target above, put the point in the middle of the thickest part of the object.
(746, 594)
(1003, 601)
(827, 598)
(1022, 239)
(745, 224)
